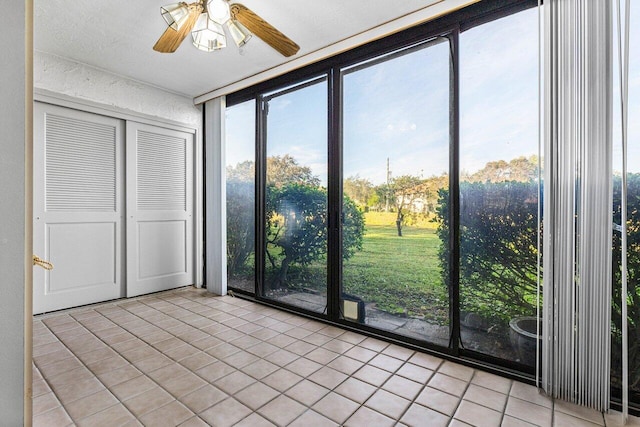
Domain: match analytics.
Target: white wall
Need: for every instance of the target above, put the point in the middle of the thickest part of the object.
(80, 81)
(13, 122)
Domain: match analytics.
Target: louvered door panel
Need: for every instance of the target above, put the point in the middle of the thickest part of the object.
(162, 172)
(78, 207)
(159, 209)
(80, 165)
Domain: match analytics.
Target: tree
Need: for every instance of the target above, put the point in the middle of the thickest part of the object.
(430, 194)
(297, 227)
(521, 169)
(282, 170)
(360, 190)
(296, 218)
(405, 191)
(240, 225)
(242, 172)
(240, 217)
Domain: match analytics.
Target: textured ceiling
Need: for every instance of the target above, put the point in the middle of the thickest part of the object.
(117, 36)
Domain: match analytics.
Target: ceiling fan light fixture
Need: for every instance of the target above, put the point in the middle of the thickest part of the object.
(238, 32)
(206, 19)
(208, 35)
(175, 14)
(218, 11)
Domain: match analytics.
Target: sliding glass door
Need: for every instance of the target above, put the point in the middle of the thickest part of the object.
(295, 195)
(394, 188)
(240, 167)
(396, 149)
(499, 188)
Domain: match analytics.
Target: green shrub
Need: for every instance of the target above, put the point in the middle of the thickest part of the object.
(498, 247)
(296, 216)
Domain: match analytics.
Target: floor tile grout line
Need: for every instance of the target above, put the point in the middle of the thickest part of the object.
(185, 304)
(413, 401)
(461, 398)
(360, 405)
(506, 401)
(323, 365)
(178, 362)
(282, 367)
(237, 369)
(539, 391)
(119, 354)
(283, 392)
(88, 369)
(175, 361)
(137, 315)
(129, 362)
(60, 404)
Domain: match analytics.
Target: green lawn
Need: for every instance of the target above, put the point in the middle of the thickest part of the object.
(400, 275)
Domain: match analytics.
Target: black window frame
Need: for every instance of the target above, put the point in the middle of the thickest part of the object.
(449, 26)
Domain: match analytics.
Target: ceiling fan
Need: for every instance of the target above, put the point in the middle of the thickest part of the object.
(206, 19)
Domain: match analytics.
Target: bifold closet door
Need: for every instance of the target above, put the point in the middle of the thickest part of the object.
(159, 209)
(78, 207)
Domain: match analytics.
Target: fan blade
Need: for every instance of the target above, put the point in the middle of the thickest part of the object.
(170, 40)
(264, 30)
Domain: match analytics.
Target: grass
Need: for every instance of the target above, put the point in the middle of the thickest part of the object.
(401, 275)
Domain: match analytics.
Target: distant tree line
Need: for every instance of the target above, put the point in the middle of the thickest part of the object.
(412, 197)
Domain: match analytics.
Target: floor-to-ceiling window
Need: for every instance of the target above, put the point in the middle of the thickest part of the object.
(395, 168)
(633, 219)
(499, 187)
(397, 186)
(240, 165)
(295, 195)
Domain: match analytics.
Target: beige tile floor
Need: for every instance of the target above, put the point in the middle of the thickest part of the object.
(188, 358)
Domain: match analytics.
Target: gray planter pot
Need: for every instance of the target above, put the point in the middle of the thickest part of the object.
(522, 334)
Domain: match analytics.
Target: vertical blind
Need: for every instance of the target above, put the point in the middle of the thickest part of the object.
(577, 201)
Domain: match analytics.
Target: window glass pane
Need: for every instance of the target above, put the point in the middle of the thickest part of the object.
(240, 162)
(395, 180)
(633, 218)
(296, 196)
(499, 187)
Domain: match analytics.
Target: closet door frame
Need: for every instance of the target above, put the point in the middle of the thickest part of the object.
(48, 97)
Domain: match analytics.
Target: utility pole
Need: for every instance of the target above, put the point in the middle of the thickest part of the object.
(386, 196)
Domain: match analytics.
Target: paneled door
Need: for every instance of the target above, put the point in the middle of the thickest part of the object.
(159, 209)
(78, 207)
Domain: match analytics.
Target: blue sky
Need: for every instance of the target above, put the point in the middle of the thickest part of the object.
(297, 125)
(499, 91)
(399, 109)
